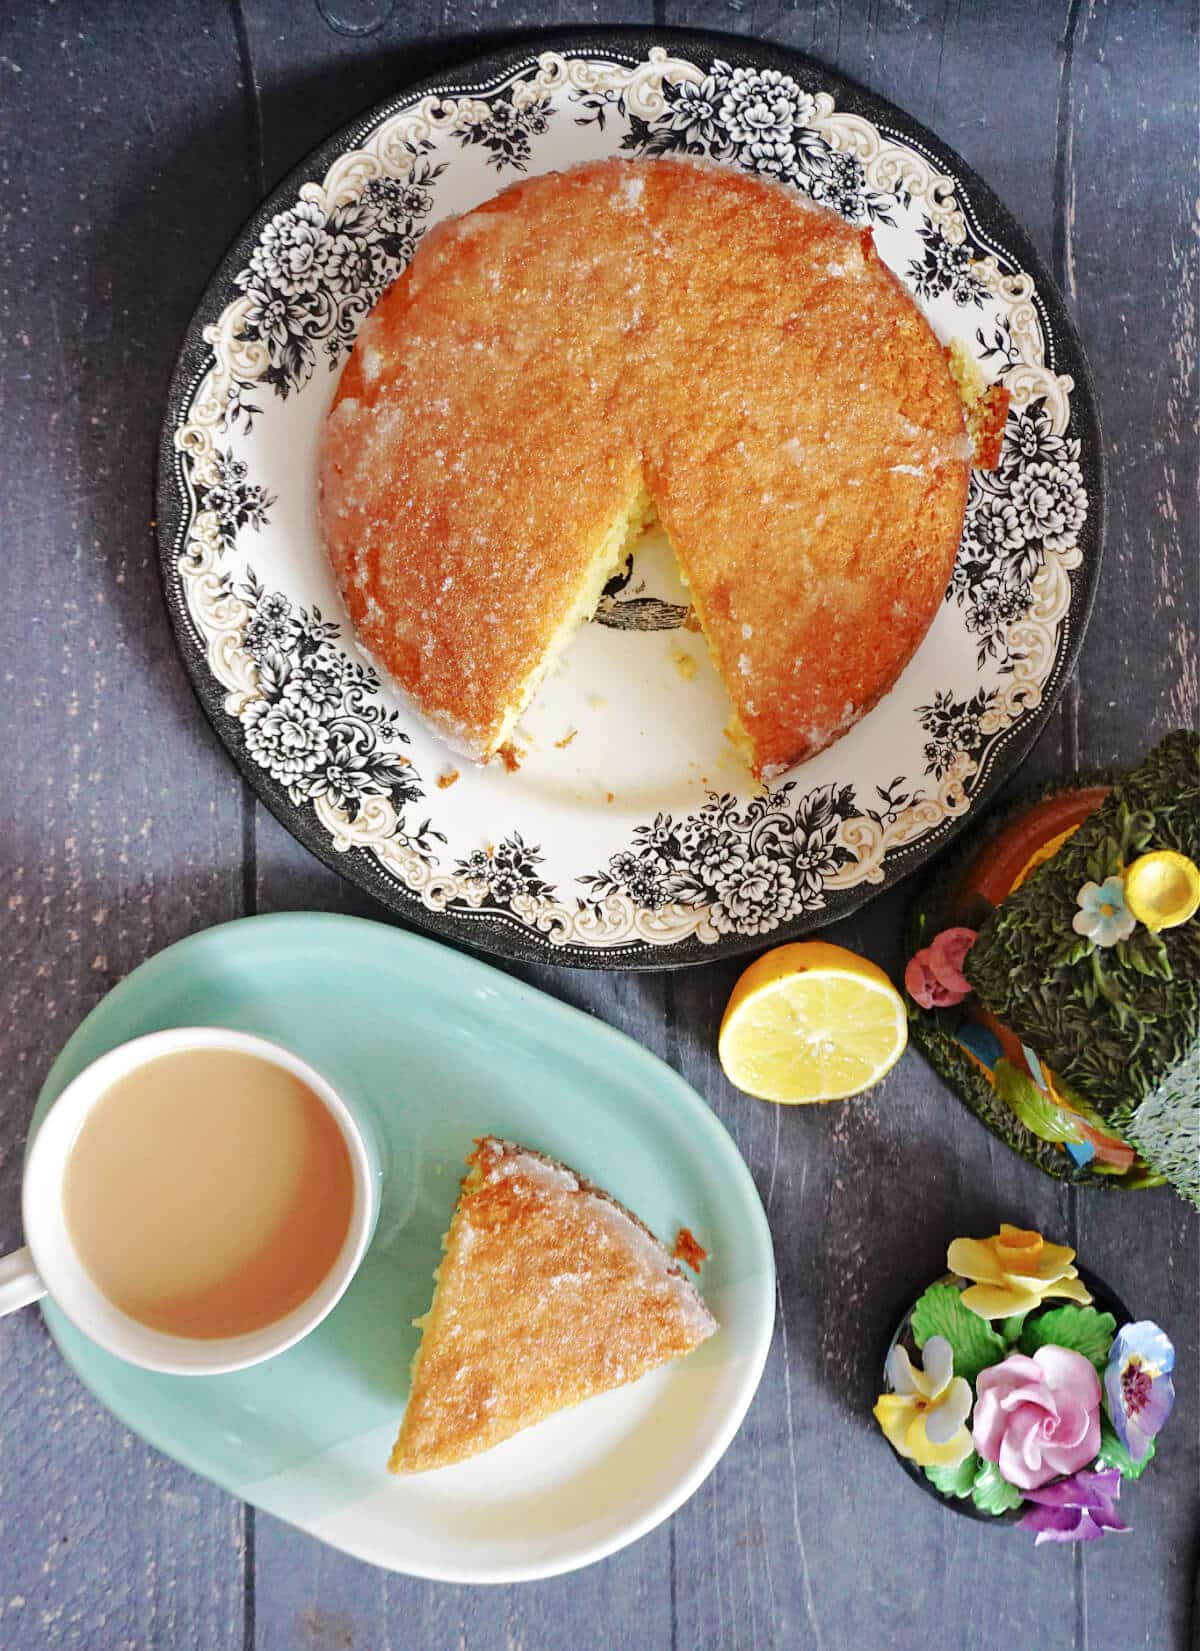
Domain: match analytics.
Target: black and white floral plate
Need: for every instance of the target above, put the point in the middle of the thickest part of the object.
(630, 837)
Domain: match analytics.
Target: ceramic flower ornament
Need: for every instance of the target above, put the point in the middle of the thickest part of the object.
(1103, 917)
(924, 1416)
(1014, 1348)
(934, 977)
(1038, 1417)
(1138, 1385)
(1013, 1272)
(1078, 1509)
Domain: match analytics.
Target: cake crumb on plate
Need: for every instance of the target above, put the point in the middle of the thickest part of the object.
(689, 1249)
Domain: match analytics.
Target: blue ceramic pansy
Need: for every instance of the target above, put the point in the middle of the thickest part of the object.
(1138, 1385)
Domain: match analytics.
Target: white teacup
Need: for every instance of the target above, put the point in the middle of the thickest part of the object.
(50, 1264)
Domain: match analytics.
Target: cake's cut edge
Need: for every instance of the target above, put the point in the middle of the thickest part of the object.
(422, 1323)
(502, 1210)
(614, 546)
(984, 405)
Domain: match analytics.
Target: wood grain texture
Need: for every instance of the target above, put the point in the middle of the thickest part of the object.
(122, 821)
(1129, 270)
(127, 828)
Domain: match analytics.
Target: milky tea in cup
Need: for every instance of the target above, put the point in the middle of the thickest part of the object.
(208, 1192)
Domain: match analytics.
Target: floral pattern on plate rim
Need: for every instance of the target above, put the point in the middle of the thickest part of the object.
(311, 718)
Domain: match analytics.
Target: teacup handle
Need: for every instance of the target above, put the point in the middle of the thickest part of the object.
(20, 1282)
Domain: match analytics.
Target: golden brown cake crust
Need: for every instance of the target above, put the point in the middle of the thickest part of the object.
(550, 1292)
(744, 353)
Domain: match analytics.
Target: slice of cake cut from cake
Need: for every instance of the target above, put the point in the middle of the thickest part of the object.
(550, 1292)
(633, 335)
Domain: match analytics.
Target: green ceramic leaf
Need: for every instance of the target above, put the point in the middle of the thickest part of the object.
(1112, 1454)
(1035, 1110)
(1081, 1328)
(955, 1481)
(992, 1492)
(940, 1312)
(1071, 949)
(1088, 1113)
(1145, 952)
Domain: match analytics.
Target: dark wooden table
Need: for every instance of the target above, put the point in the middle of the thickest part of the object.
(135, 139)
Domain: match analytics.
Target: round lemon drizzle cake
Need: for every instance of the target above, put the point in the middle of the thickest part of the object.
(635, 337)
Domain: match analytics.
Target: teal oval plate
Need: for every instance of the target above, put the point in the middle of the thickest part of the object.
(438, 1048)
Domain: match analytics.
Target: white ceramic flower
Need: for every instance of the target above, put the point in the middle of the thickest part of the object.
(923, 1416)
(1103, 917)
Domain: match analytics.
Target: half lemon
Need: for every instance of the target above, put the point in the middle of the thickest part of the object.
(811, 1022)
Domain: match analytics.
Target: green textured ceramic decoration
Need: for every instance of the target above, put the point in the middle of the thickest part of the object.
(1039, 977)
(936, 907)
(1120, 1024)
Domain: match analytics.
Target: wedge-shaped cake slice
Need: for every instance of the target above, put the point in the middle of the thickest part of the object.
(550, 1292)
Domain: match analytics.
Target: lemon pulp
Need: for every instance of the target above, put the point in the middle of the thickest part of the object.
(811, 1022)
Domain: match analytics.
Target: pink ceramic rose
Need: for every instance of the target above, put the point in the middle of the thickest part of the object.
(1040, 1417)
(934, 976)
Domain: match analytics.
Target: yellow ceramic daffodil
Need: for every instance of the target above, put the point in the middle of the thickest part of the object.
(1014, 1272)
(924, 1417)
